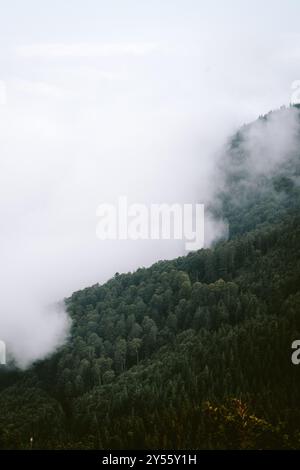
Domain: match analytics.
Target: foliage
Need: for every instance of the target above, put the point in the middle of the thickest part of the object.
(189, 353)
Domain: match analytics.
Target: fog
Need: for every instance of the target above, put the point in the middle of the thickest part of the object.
(271, 141)
(247, 166)
(103, 100)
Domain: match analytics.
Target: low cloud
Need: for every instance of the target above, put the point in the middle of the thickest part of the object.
(94, 112)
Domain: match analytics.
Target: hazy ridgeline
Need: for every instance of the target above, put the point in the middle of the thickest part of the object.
(192, 352)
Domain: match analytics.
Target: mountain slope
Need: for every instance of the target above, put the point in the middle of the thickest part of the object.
(189, 353)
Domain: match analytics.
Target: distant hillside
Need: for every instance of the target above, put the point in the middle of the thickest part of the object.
(189, 353)
(259, 173)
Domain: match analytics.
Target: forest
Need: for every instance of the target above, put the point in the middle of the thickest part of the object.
(192, 353)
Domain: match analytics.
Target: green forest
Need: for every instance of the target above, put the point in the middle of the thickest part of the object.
(192, 353)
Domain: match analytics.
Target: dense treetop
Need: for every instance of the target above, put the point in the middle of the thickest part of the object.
(189, 353)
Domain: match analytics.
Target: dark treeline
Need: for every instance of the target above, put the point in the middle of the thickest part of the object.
(189, 353)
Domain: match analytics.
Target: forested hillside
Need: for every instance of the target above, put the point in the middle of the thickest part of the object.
(189, 353)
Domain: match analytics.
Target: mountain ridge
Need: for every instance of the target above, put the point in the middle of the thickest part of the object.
(192, 352)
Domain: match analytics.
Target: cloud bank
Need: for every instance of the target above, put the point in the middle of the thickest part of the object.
(134, 102)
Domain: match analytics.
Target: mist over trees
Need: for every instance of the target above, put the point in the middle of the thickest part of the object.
(189, 353)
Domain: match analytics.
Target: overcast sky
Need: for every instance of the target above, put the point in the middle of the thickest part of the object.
(118, 97)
